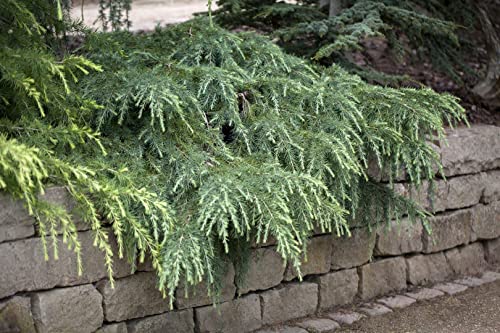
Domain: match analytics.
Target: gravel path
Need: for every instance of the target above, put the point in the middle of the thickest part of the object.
(477, 310)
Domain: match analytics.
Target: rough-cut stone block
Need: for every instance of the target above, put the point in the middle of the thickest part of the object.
(491, 276)
(465, 191)
(319, 258)
(266, 269)
(270, 241)
(145, 266)
(132, 297)
(29, 271)
(15, 222)
(435, 200)
(337, 288)
(382, 277)
(467, 260)
(282, 329)
(113, 328)
(346, 317)
(292, 301)
(471, 282)
(353, 251)
(374, 309)
(487, 277)
(375, 171)
(15, 315)
(451, 288)
(75, 309)
(318, 325)
(59, 195)
(402, 238)
(423, 269)
(397, 302)
(239, 315)
(448, 231)
(198, 295)
(457, 192)
(178, 322)
(470, 150)
(492, 249)
(425, 294)
(486, 221)
(290, 329)
(492, 187)
(383, 175)
(319, 230)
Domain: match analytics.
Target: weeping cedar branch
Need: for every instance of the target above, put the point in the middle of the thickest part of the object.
(204, 143)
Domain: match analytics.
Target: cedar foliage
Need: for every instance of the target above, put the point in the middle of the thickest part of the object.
(194, 143)
(45, 140)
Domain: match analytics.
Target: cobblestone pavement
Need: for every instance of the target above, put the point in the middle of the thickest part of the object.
(476, 310)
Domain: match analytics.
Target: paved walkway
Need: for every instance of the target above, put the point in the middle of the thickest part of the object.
(146, 14)
(477, 310)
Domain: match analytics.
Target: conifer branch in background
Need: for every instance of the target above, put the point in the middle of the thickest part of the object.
(327, 30)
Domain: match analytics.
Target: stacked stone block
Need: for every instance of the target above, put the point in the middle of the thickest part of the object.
(49, 296)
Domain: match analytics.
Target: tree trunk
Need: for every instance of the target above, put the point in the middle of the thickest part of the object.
(335, 7)
(489, 88)
(323, 3)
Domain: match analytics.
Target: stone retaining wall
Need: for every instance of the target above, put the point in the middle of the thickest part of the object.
(49, 296)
